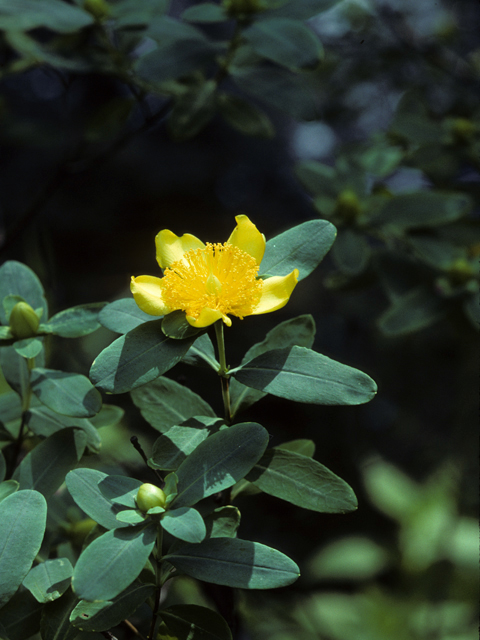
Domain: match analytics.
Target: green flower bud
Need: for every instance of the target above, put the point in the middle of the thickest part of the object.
(347, 205)
(99, 9)
(23, 321)
(460, 272)
(463, 130)
(149, 496)
(78, 531)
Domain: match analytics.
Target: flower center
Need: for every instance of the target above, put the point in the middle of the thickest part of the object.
(219, 276)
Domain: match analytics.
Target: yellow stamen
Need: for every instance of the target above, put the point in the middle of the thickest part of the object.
(219, 277)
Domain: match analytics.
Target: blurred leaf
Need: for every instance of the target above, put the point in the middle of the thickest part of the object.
(185, 524)
(165, 403)
(108, 415)
(351, 252)
(287, 42)
(109, 119)
(22, 526)
(136, 358)
(235, 563)
(123, 315)
(23, 15)
(131, 13)
(297, 331)
(82, 485)
(75, 322)
(351, 558)
(299, 10)
(302, 481)
(244, 116)
(45, 467)
(48, 580)
(69, 394)
(303, 247)
(205, 12)
(218, 462)
(102, 616)
(181, 49)
(112, 562)
(16, 278)
(390, 489)
(422, 209)
(21, 616)
(381, 160)
(28, 348)
(437, 253)
(277, 87)
(300, 374)
(413, 311)
(192, 622)
(317, 178)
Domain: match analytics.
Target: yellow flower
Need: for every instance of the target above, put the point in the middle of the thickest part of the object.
(212, 281)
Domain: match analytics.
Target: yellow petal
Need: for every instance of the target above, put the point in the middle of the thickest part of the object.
(171, 247)
(147, 292)
(276, 293)
(247, 237)
(208, 317)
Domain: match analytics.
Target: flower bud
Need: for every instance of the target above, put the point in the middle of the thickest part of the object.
(460, 272)
(23, 321)
(149, 496)
(463, 130)
(99, 9)
(347, 205)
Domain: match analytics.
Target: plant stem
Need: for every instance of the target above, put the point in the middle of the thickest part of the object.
(223, 371)
(25, 407)
(158, 581)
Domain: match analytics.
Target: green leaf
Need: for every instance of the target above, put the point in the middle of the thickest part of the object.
(352, 558)
(131, 516)
(136, 358)
(411, 312)
(123, 315)
(44, 422)
(287, 42)
(192, 622)
(24, 15)
(301, 445)
(303, 375)
(303, 10)
(120, 490)
(102, 616)
(297, 331)
(318, 178)
(69, 394)
(423, 209)
(235, 563)
(181, 49)
(3, 467)
(21, 616)
(49, 580)
(191, 113)
(108, 416)
(83, 487)
(201, 353)
(302, 248)
(131, 13)
(112, 562)
(244, 116)
(22, 525)
(302, 481)
(351, 252)
(7, 488)
(171, 448)
(223, 522)
(55, 621)
(14, 368)
(28, 348)
(278, 87)
(219, 461)
(165, 403)
(16, 278)
(45, 467)
(10, 414)
(175, 326)
(205, 12)
(185, 523)
(75, 322)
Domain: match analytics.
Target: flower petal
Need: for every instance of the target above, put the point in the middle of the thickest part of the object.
(276, 293)
(171, 247)
(208, 317)
(247, 237)
(147, 292)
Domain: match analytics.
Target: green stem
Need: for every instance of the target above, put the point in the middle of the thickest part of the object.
(25, 407)
(158, 581)
(223, 371)
(233, 45)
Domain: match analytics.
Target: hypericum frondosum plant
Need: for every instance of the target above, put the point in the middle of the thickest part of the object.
(184, 522)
